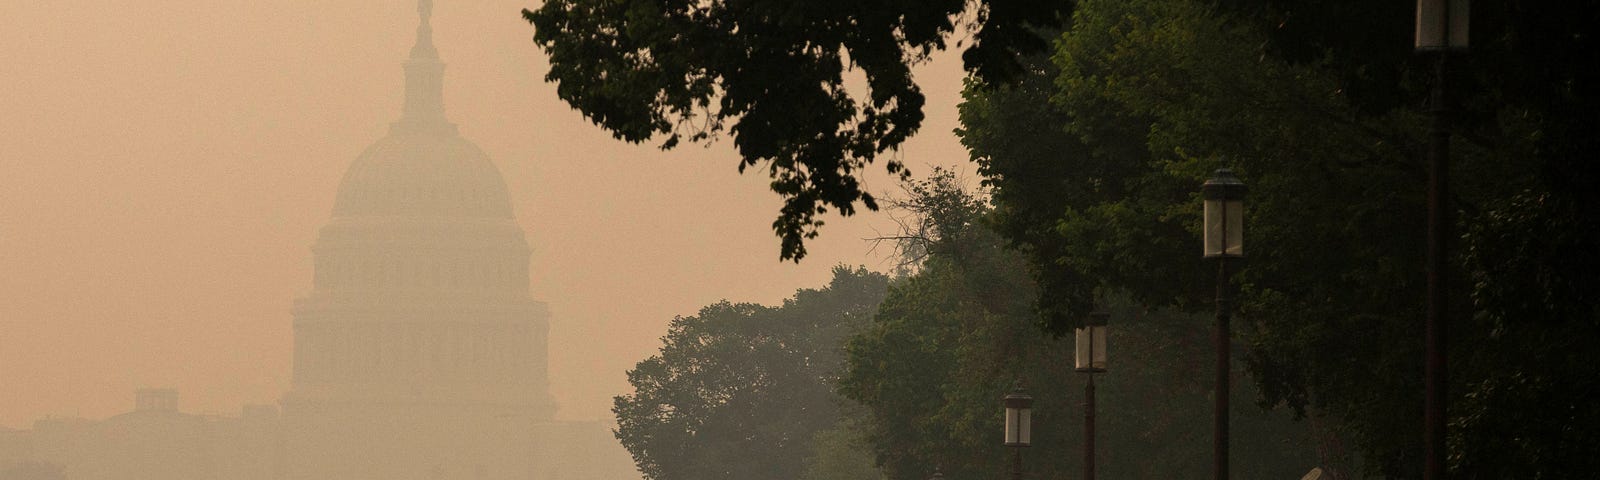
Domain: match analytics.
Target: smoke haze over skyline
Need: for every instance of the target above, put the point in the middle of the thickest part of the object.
(166, 168)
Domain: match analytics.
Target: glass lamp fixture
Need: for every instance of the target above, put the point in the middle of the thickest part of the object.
(1090, 354)
(1442, 24)
(1224, 215)
(1019, 409)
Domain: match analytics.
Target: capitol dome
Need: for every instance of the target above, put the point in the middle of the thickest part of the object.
(419, 173)
(419, 342)
(423, 168)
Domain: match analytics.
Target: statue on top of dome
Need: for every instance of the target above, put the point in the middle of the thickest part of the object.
(424, 47)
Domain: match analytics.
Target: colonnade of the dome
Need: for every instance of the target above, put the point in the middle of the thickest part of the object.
(462, 260)
(438, 354)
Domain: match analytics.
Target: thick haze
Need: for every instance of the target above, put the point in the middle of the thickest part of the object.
(165, 167)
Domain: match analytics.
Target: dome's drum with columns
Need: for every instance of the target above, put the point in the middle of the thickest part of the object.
(419, 352)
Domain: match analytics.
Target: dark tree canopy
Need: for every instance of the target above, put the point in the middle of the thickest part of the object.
(951, 339)
(1096, 164)
(771, 73)
(1095, 154)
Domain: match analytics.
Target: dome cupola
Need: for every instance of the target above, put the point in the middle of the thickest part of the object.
(423, 167)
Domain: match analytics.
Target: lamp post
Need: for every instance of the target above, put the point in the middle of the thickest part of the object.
(1019, 433)
(1090, 358)
(1224, 240)
(1441, 31)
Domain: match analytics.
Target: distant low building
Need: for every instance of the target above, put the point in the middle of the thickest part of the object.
(156, 441)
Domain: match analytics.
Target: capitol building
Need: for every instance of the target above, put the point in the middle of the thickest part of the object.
(418, 354)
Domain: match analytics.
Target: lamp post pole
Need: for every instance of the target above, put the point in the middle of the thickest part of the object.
(1224, 343)
(1089, 357)
(1016, 464)
(1224, 241)
(1436, 366)
(1088, 429)
(1442, 31)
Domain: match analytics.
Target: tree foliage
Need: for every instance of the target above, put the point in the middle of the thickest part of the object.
(1098, 187)
(949, 341)
(841, 452)
(1095, 156)
(772, 73)
(740, 390)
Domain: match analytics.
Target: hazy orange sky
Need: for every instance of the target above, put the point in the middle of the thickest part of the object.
(165, 166)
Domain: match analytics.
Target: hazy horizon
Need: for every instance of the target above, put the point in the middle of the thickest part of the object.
(167, 169)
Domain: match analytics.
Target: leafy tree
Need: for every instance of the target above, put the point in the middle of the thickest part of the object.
(740, 391)
(1098, 187)
(1318, 104)
(949, 341)
(773, 70)
(771, 73)
(1527, 358)
(841, 452)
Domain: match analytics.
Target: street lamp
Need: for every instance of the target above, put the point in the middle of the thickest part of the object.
(1441, 30)
(1090, 359)
(1224, 240)
(1224, 212)
(1019, 433)
(1442, 24)
(1091, 344)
